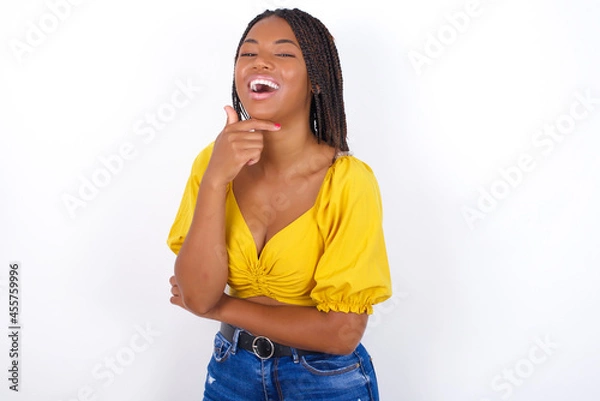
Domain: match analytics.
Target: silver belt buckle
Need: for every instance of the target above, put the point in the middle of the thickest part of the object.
(257, 350)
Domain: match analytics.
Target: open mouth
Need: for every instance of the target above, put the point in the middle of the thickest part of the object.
(263, 86)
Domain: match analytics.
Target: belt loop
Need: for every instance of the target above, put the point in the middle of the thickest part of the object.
(236, 336)
(295, 354)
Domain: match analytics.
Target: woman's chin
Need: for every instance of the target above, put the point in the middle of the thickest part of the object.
(258, 114)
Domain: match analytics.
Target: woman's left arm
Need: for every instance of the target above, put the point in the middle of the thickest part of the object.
(303, 327)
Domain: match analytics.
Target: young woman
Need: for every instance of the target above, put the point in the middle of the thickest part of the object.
(278, 210)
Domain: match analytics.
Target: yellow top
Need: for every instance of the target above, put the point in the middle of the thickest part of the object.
(333, 256)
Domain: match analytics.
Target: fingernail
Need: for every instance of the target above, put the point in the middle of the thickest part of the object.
(277, 126)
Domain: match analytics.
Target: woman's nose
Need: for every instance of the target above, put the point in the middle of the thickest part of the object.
(262, 62)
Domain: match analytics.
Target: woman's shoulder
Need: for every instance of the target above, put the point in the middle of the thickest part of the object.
(348, 178)
(347, 168)
(350, 189)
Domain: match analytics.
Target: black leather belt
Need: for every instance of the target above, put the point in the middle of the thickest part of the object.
(261, 346)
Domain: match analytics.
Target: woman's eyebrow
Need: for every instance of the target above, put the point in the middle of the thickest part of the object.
(277, 42)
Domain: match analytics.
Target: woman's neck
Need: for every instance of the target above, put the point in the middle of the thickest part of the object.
(292, 151)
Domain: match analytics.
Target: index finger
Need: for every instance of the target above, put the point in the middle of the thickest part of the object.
(257, 125)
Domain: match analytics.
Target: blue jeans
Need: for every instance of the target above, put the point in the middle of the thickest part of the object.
(234, 374)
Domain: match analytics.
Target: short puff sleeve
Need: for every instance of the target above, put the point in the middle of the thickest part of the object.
(353, 273)
(184, 216)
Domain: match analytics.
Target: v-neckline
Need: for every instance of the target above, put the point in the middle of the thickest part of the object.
(257, 254)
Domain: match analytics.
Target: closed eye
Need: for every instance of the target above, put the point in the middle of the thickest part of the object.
(285, 55)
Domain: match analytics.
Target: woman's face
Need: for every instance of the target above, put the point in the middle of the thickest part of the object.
(270, 73)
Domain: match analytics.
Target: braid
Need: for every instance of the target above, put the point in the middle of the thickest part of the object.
(327, 117)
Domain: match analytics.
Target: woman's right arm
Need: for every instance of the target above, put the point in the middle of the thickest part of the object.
(201, 264)
(201, 267)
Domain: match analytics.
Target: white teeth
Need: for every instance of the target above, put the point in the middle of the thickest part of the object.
(256, 82)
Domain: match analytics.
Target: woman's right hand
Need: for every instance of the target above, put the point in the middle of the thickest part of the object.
(239, 144)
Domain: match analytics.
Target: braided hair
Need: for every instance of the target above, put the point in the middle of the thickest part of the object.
(327, 117)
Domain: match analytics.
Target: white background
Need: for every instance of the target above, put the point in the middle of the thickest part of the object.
(472, 301)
